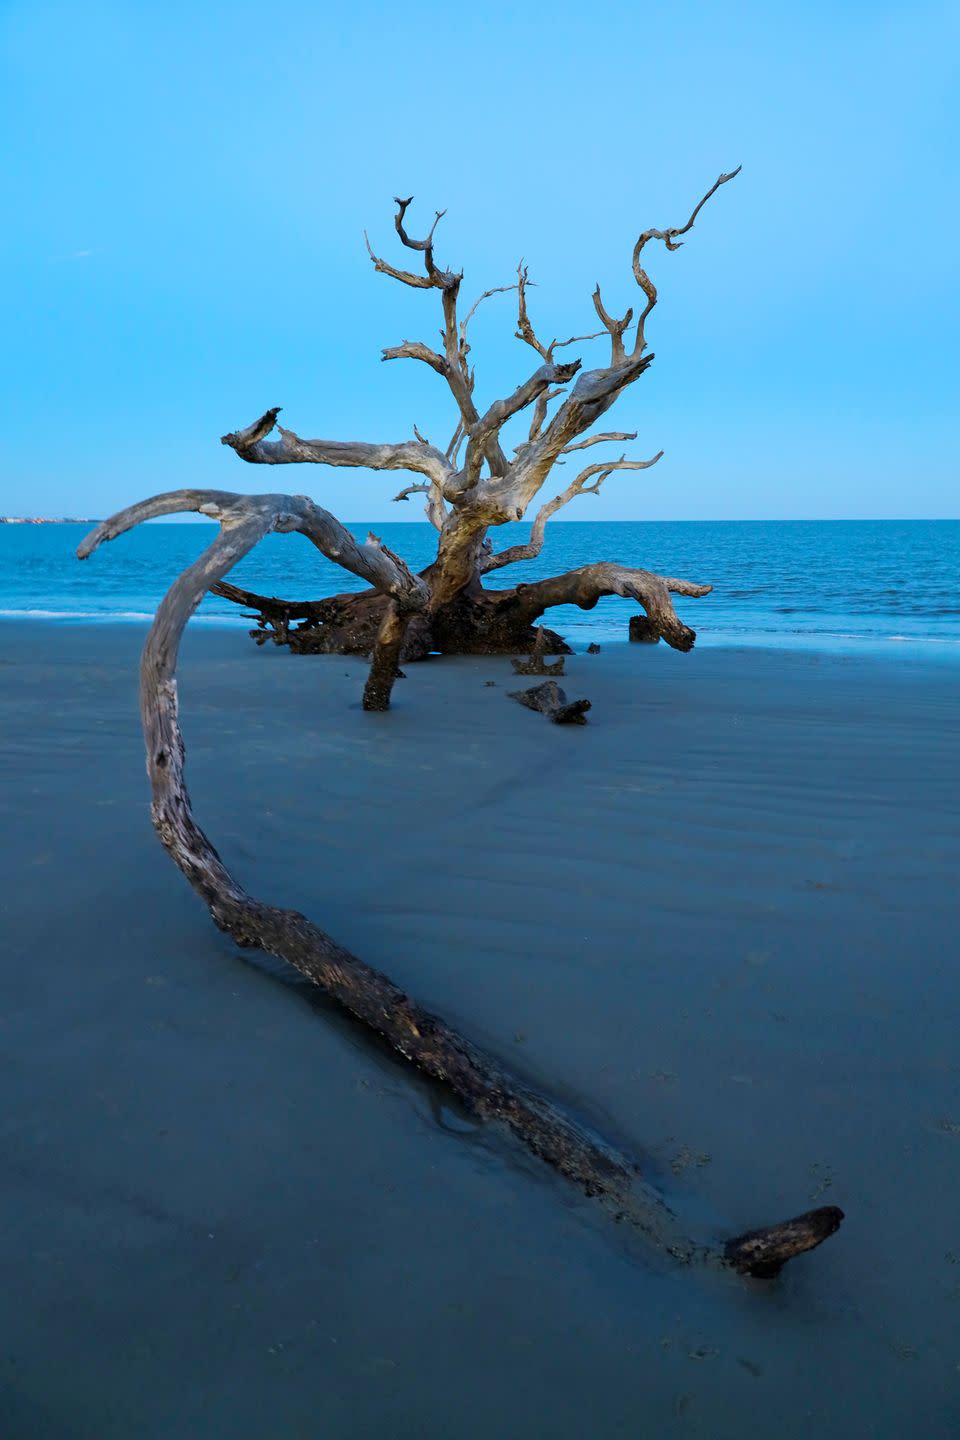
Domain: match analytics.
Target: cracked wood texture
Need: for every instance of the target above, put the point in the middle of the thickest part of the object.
(478, 482)
(485, 1087)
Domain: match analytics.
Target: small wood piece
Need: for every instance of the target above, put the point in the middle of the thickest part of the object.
(537, 664)
(593, 648)
(551, 701)
(763, 1253)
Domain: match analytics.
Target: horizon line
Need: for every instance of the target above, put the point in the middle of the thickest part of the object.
(190, 518)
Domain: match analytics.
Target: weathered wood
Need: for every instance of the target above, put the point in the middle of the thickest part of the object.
(537, 664)
(467, 497)
(548, 699)
(486, 1088)
(385, 662)
(763, 1253)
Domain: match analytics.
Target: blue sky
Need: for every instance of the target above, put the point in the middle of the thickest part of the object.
(188, 185)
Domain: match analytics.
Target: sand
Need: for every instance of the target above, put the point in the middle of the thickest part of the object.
(720, 921)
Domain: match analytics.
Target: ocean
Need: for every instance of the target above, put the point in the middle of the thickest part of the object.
(825, 584)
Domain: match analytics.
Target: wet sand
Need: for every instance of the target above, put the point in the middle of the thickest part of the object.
(720, 921)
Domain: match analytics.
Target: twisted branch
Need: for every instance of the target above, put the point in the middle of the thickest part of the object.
(669, 238)
(578, 486)
(588, 583)
(252, 446)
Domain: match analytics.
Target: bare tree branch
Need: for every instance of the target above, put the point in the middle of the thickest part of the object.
(496, 290)
(283, 513)
(409, 490)
(601, 439)
(525, 330)
(669, 238)
(596, 390)
(578, 486)
(540, 414)
(490, 424)
(585, 586)
(251, 446)
(416, 350)
(453, 364)
(615, 328)
(419, 282)
(435, 509)
(456, 440)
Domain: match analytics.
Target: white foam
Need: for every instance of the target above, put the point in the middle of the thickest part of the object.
(107, 615)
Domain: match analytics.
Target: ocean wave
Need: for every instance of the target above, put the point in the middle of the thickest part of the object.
(109, 616)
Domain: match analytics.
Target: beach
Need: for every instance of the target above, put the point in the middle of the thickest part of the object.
(718, 922)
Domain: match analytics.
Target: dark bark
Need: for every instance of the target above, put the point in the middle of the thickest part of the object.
(485, 622)
(642, 631)
(763, 1253)
(551, 701)
(385, 662)
(537, 664)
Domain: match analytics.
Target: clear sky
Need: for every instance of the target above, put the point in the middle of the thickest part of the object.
(186, 188)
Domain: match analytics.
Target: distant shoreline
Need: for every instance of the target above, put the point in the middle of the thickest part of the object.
(45, 520)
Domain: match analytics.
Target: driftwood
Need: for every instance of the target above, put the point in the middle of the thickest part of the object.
(537, 664)
(593, 648)
(485, 1087)
(551, 701)
(471, 486)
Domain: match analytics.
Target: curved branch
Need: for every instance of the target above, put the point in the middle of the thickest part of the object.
(602, 439)
(578, 486)
(434, 509)
(485, 1087)
(425, 246)
(585, 586)
(452, 365)
(525, 330)
(416, 350)
(669, 238)
(496, 290)
(615, 328)
(597, 390)
(283, 513)
(251, 445)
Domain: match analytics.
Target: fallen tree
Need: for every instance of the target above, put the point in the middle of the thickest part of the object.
(402, 615)
(485, 1087)
(472, 485)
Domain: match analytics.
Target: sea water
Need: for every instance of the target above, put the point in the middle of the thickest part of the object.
(826, 584)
